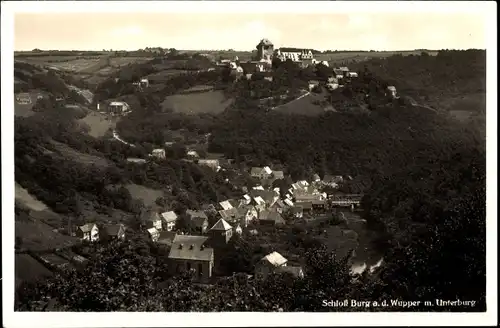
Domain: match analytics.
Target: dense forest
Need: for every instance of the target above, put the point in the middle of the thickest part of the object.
(425, 193)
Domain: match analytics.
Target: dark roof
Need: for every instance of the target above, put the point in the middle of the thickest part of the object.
(114, 229)
(271, 216)
(86, 227)
(166, 237)
(230, 214)
(185, 247)
(278, 174)
(196, 214)
(296, 271)
(297, 209)
(199, 222)
(318, 202)
(265, 42)
(304, 205)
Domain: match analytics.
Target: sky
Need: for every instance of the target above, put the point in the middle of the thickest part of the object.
(240, 31)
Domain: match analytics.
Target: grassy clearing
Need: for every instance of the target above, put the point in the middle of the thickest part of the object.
(37, 236)
(23, 196)
(303, 106)
(207, 102)
(122, 61)
(79, 157)
(28, 269)
(98, 123)
(147, 195)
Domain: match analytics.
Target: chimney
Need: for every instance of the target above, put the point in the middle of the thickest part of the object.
(202, 247)
(180, 246)
(191, 246)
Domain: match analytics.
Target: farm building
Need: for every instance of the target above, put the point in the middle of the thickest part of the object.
(211, 163)
(198, 221)
(271, 218)
(158, 153)
(113, 231)
(118, 107)
(168, 220)
(88, 232)
(23, 98)
(269, 264)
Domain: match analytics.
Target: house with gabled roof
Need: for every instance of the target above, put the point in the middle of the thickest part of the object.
(153, 234)
(198, 221)
(261, 172)
(169, 219)
(269, 264)
(166, 238)
(225, 205)
(295, 271)
(230, 215)
(271, 217)
(247, 214)
(113, 232)
(88, 232)
(192, 253)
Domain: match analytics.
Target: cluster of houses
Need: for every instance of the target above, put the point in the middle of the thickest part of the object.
(200, 249)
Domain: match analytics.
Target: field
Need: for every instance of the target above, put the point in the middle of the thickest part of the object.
(207, 102)
(38, 236)
(98, 123)
(24, 197)
(147, 195)
(303, 106)
(28, 269)
(199, 88)
(348, 57)
(26, 110)
(79, 157)
(164, 75)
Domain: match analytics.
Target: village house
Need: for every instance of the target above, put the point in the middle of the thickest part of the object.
(151, 219)
(271, 218)
(277, 175)
(191, 253)
(319, 205)
(295, 271)
(224, 205)
(230, 215)
(192, 154)
(158, 153)
(268, 264)
(211, 163)
(391, 91)
(153, 234)
(169, 219)
(118, 107)
(261, 172)
(248, 214)
(306, 206)
(198, 221)
(88, 232)
(339, 74)
(23, 98)
(296, 211)
(268, 196)
(351, 74)
(113, 232)
(346, 200)
(279, 206)
(288, 201)
(313, 84)
(332, 180)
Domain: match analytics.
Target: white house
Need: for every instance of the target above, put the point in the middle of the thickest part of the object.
(193, 154)
(261, 172)
(211, 163)
(391, 90)
(153, 234)
(351, 74)
(118, 107)
(168, 220)
(159, 153)
(88, 232)
(269, 264)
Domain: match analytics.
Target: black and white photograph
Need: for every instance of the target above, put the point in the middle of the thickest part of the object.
(244, 163)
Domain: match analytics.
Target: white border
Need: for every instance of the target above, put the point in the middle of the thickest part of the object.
(12, 319)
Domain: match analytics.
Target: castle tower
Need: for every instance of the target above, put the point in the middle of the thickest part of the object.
(265, 49)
